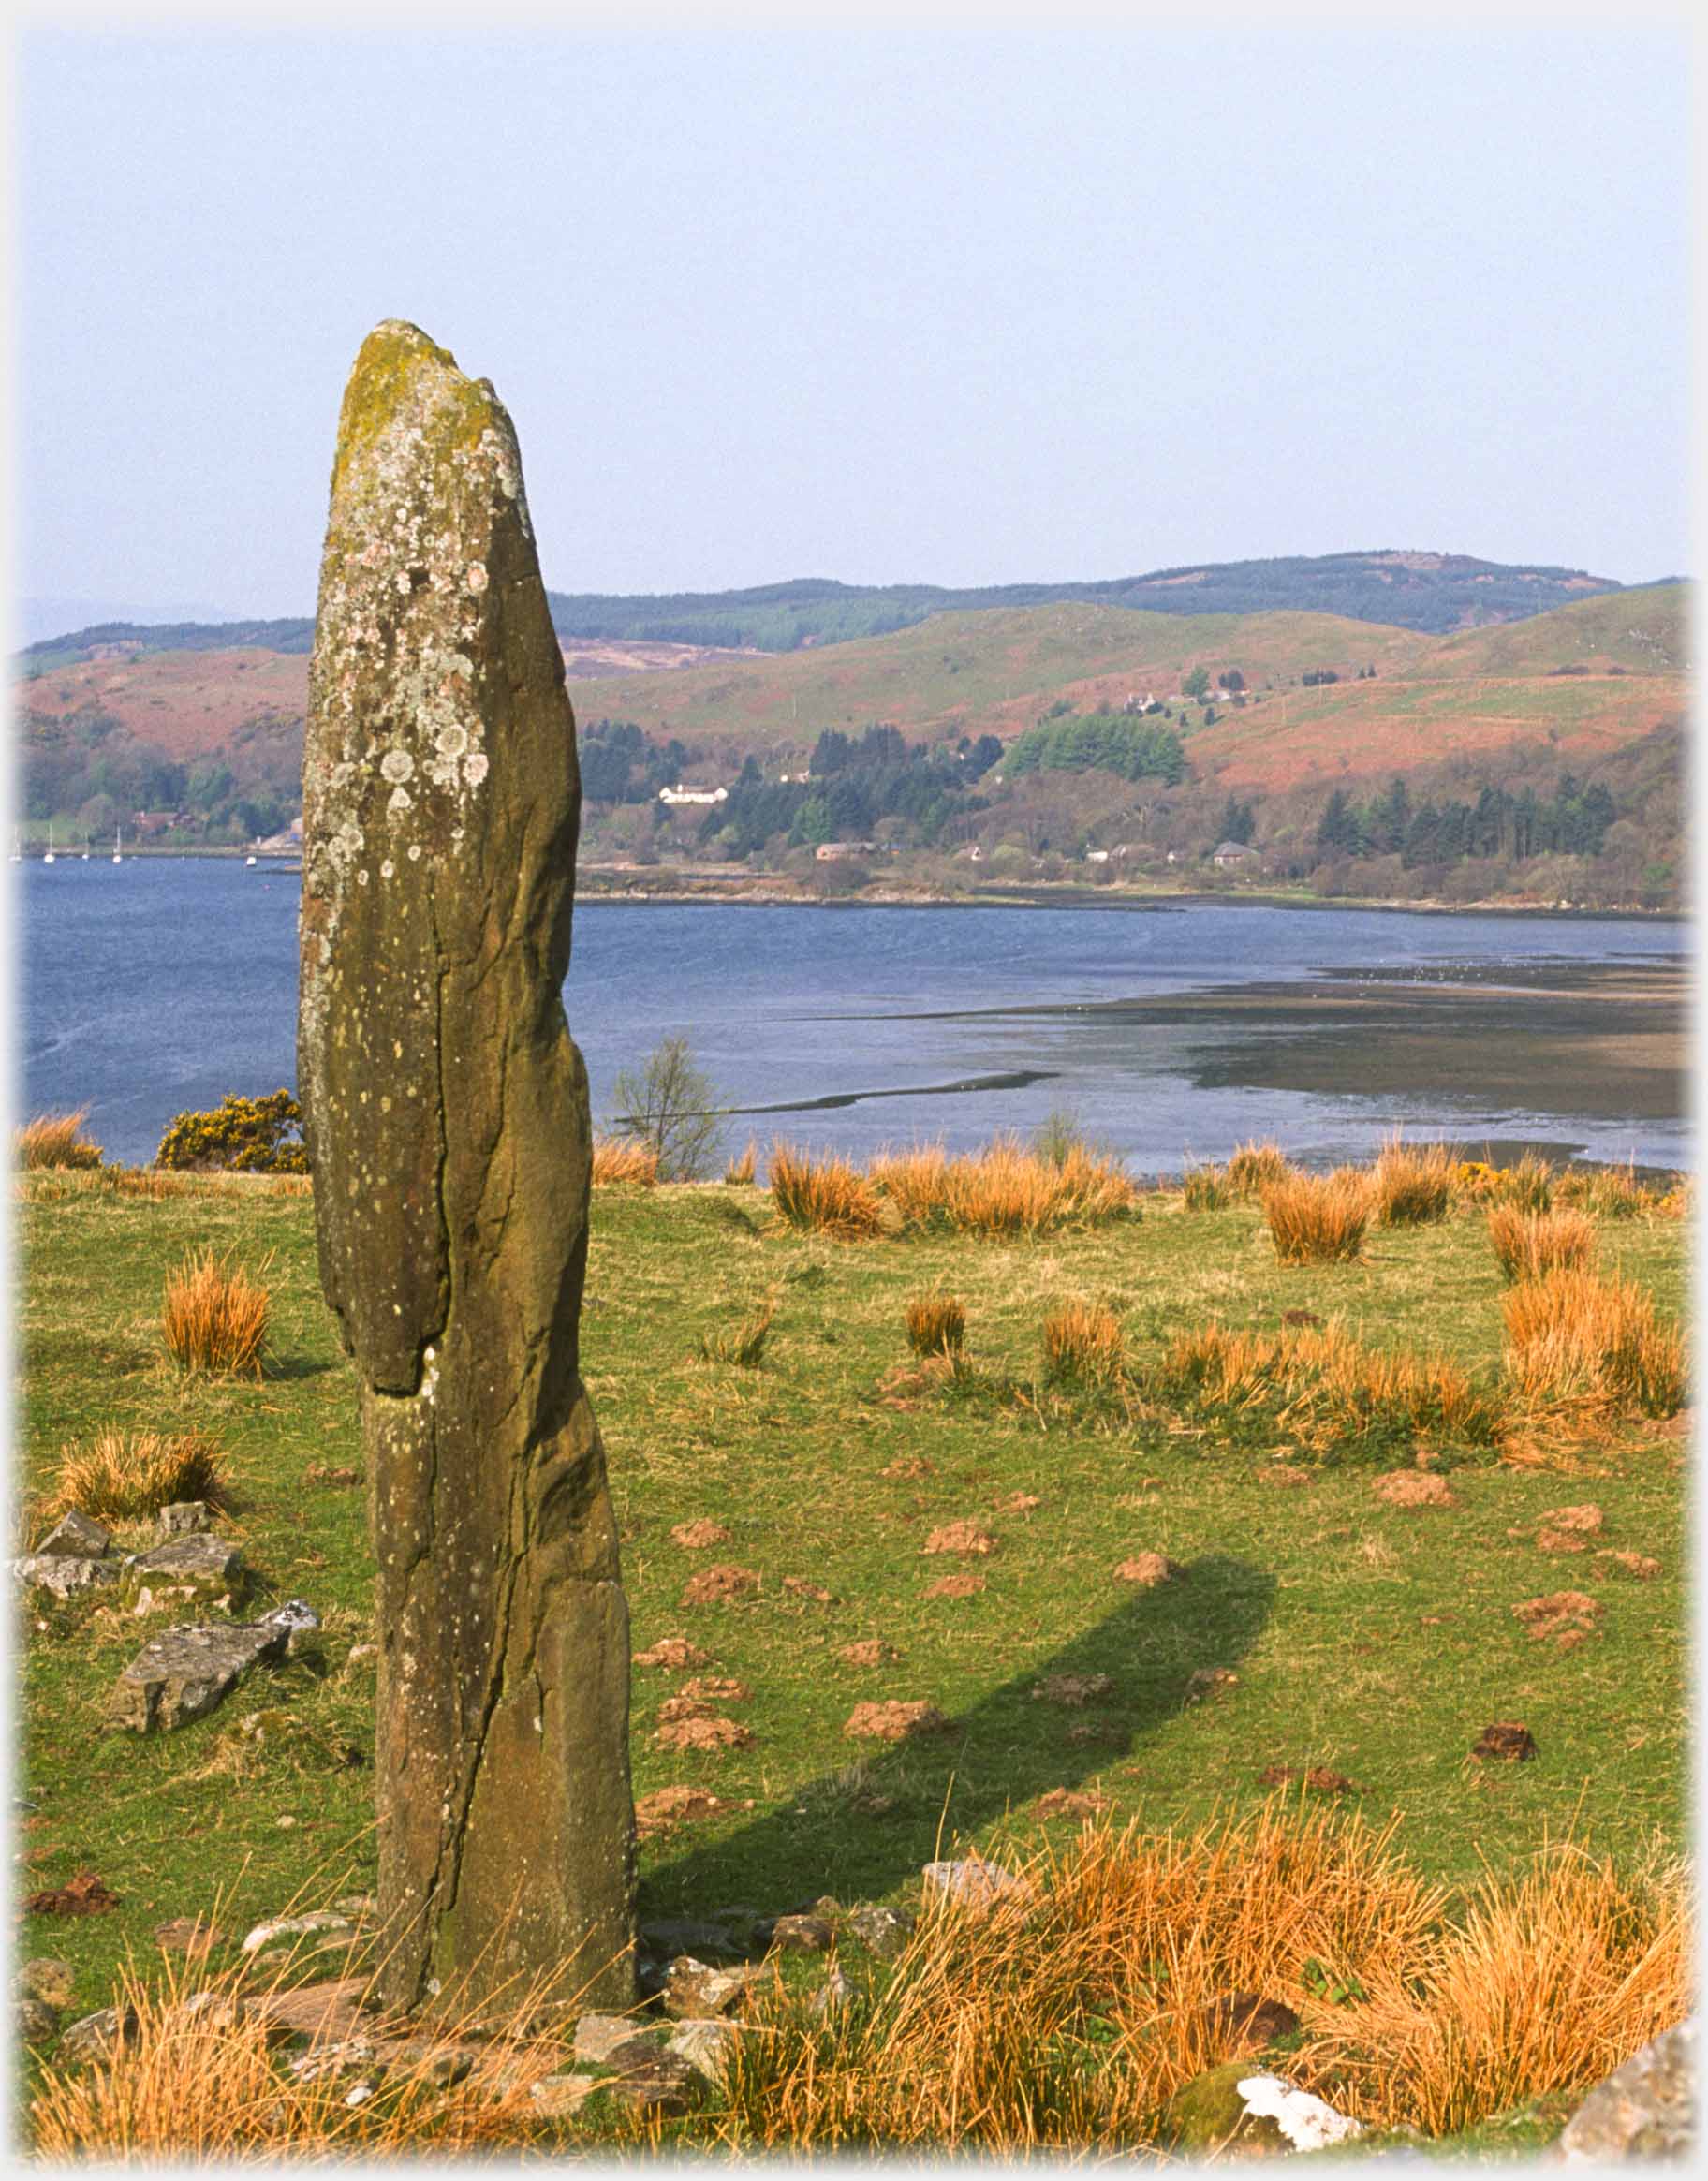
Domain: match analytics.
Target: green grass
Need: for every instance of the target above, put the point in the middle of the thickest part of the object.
(1374, 1640)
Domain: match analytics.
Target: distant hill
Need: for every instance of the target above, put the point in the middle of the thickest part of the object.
(1432, 591)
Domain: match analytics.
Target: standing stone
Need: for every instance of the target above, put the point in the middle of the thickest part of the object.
(446, 1113)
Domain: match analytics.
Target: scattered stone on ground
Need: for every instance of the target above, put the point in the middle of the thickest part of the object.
(673, 1935)
(695, 1989)
(1283, 1473)
(1316, 1776)
(1507, 1739)
(707, 2046)
(328, 2062)
(1147, 1569)
(1645, 2109)
(892, 1720)
(1061, 1801)
(955, 1586)
(1413, 1488)
(76, 1537)
(319, 1473)
(836, 1991)
(201, 1559)
(37, 2022)
(64, 1575)
(1233, 2106)
(1208, 1681)
(1638, 1565)
(559, 2097)
(715, 1689)
(331, 2008)
(814, 1593)
(85, 1896)
(869, 1651)
(667, 2086)
(695, 1536)
(1242, 2024)
(674, 1652)
(1564, 1618)
(704, 1730)
(968, 1537)
(713, 1585)
(184, 1518)
(188, 1934)
(182, 1674)
(99, 2036)
(45, 1980)
(882, 1931)
(802, 1935)
(971, 1883)
(597, 2036)
(312, 1923)
(359, 1908)
(670, 1806)
(1073, 1688)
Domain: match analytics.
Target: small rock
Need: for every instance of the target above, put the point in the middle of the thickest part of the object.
(45, 1980)
(882, 1931)
(75, 1537)
(1505, 1738)
(188, 1934)
(597, 2036)
(99, 2036)
(62, 1576)
(359, 1908)
(835, 1992)
(1645, 2109)
(707, 2045)
(298, 1619)
(209, 1562)
(1229, 2105)
(358, 1653)
(695, 1990)
(559, 2096)
(667, 2086)
(183, 1672)
(318, 1923)
(37, 2022)
(802, 1935)
(894, 1721)
(344, 2056)
(184, 1518)
(972, 1884)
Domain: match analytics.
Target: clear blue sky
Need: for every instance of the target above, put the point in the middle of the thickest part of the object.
(883, 304)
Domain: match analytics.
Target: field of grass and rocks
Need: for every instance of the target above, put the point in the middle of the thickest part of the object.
(1105, 1547)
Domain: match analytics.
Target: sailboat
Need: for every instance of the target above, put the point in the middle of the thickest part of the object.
(85, 856)
(118, 844)
(50, 857)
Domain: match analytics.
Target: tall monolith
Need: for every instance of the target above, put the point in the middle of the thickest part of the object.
(446, 1113)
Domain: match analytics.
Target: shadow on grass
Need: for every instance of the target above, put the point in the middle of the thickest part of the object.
(865, 1827)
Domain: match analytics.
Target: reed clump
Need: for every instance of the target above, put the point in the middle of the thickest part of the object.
(1005, 1190)
(624, 1158)
(1318, 1219)
(825, 1195)
(1529, 1185)
(1528, 1245)
(214, 1317)
(1322, 1387)
(126, 1476)
(1576, 1340)
(936, 1325)
(1608, 1192)
(1083, 1345)
(741, 1343)
(1254, 1166)
(740, 1171)
(1413, 1185)
(55, 1140)
(1206, 1189)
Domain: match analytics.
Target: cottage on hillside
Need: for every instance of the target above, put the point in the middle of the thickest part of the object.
(1234, 856)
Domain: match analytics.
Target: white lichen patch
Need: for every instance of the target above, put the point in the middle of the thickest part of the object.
(1305, 2121)
(397, 764)
(477, 576)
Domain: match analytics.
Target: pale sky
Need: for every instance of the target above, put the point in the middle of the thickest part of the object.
(878, 303)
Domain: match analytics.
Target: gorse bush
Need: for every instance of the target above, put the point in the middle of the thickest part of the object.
(623, 1159)
(55, 1140)
(1318, 1218)
(936, 1325)
(244, 1135)
(214, 1317)
(126, 1476)
(1528, 1245)
(1412, 1188)
(1084, 1344)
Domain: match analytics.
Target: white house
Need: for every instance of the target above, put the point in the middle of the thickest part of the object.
(681, 794)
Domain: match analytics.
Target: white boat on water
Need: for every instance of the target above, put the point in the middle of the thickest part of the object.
(118, 844)
(249, 863)
(50, 857)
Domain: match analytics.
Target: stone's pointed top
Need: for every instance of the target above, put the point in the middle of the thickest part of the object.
(403, 385)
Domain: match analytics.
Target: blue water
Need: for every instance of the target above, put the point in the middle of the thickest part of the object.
(164, 983)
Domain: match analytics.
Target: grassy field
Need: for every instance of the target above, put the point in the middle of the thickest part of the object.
(1372, 1639)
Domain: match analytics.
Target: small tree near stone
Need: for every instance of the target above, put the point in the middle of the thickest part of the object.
(672, 1105)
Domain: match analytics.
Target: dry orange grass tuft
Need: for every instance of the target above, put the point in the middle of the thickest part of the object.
(1528, 1245)
(126, 1475)
(55, 1140)
(1412, 1188)
(1207, 1189)
(974, 2040)
(1577, 1341)
(1004, 1191)
(622, 1159)
(827, 1196)
(1318, 1218)
(1084, 1344)
(936, 1325)
(1254, 1166)
(214, 1317)
(1322, 1385)
(743, 1343)
(740, 1171)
